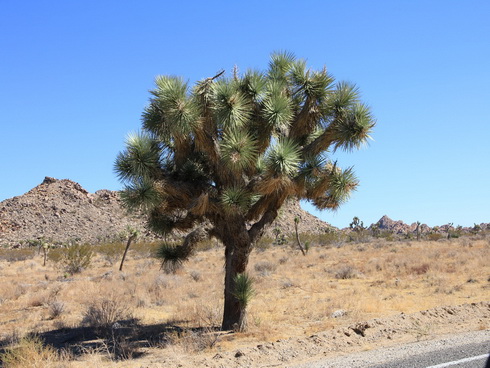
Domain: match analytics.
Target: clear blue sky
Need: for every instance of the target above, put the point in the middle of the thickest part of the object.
(75, 75)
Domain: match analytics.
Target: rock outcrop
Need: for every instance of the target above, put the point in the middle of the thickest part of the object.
(61, 211)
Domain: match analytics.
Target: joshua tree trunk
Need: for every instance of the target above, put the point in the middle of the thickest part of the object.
(237, 251)
(128, 244)
(296, 221)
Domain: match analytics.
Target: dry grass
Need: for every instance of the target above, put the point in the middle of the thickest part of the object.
(295, 295)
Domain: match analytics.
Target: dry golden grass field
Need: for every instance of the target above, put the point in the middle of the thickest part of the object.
(161, 315)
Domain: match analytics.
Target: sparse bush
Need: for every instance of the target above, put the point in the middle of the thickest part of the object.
(283, 260)
(331, 238)
(207, 244)
(387, 235)
(111, 252)
(345, 272)
(30, 352)
(265, 268)
(118, 343)
(434, 236)
(76, 258)
(103, 313)
(56, 308)
(264, 243)
(143, 249)
(15, 255)
(194, 340)
(420, 269)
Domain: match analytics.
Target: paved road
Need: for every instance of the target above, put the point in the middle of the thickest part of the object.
(467, 356)
(468, 350)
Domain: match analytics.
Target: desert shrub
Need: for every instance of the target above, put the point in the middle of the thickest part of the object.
(265, 268)
(143, 249)
(283, 260)
(14, 255)
(387, 235)
(207, 244)
(193, 340)
(102, 314)
(30, 352)
(157, 289)
(55, 255)
(76, 258)
(264, 243)
(200, 340)
(119, 343)
(328, 238)
(282, 239)
(420, 269)
(434, 236)
(111, 252)
(55, 308)
(345, 272)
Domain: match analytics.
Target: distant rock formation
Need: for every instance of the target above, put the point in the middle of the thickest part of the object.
(61, 211)
(399, 227)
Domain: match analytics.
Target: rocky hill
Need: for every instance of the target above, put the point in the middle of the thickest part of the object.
(399, 227)
(61, 211)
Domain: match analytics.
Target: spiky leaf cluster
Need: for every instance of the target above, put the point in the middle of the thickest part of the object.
(244, 290)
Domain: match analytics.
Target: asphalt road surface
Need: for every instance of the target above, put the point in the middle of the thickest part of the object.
(468, 350)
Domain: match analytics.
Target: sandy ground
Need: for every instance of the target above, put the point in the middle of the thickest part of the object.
(390, 293)
(361, 336)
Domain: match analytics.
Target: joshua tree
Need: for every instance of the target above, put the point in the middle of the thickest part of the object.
(221, 158)
(417, 230)
(357, 225)
(375, 230)
(448, 229)
(132, 235)
(298, 240)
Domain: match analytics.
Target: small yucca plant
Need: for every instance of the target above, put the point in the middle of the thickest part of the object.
(244, 292)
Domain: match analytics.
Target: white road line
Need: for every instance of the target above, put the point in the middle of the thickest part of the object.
(448, 364)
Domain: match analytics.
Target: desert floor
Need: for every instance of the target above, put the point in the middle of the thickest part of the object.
(336, 299)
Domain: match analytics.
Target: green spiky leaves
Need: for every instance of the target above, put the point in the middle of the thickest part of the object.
(340, 185)
(231, 107)
(236, 199)
(283, 158)
(238, 150)
(171, 111)
(140, 160)
(353, 128)
(172, 256)
(141, 193)
(277, 110)
(244, 290)
(253, 85)
(280, 65)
